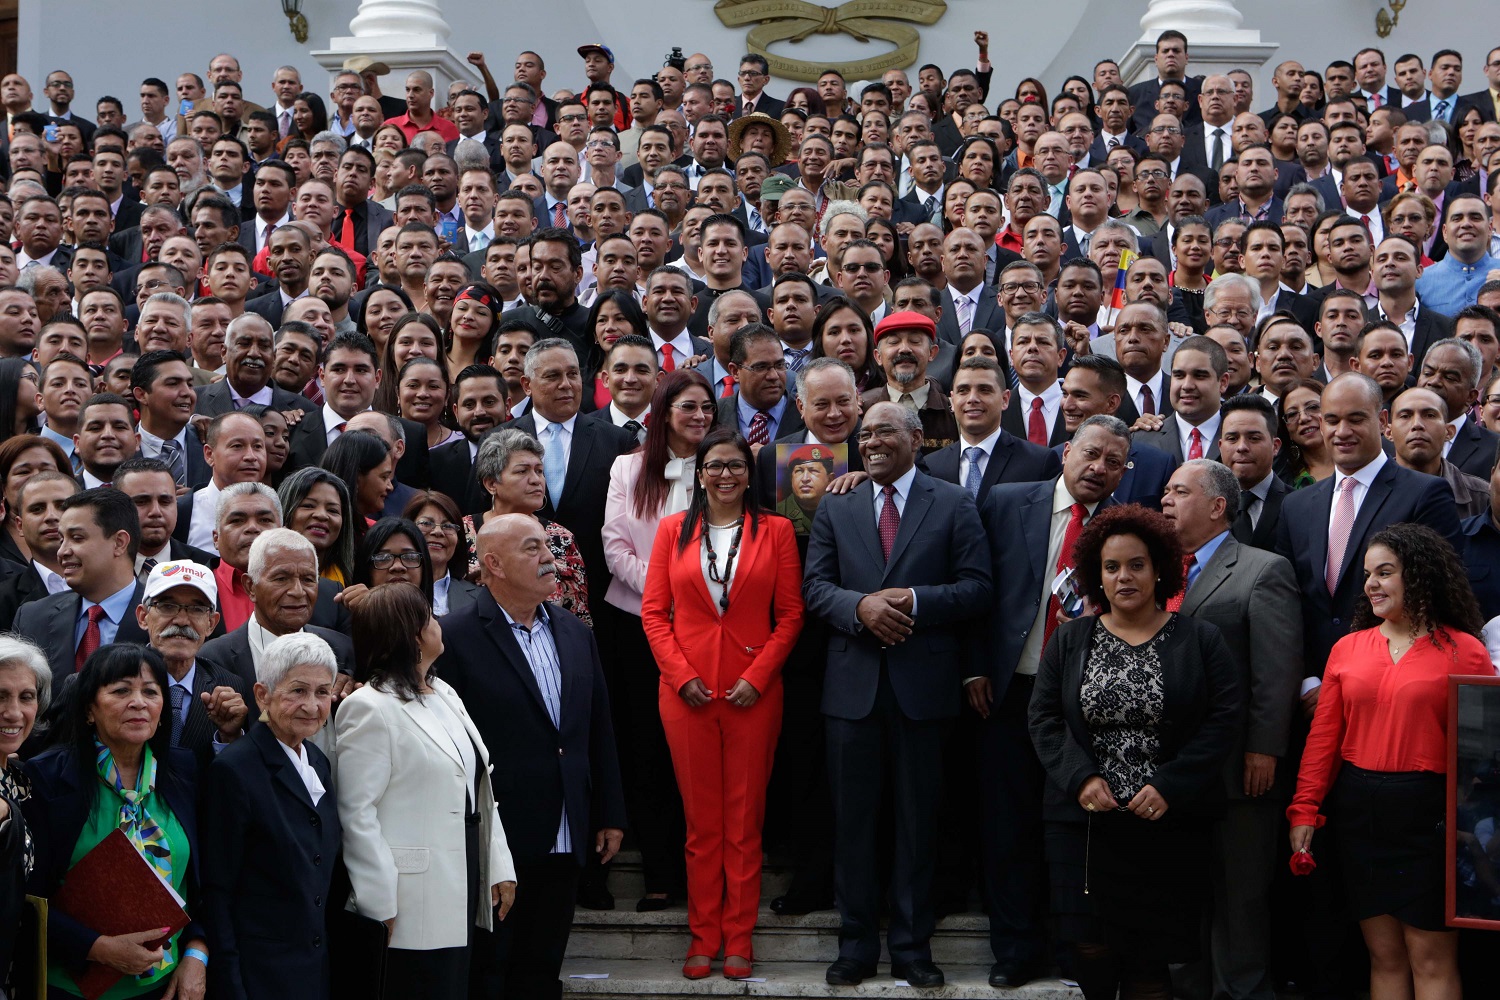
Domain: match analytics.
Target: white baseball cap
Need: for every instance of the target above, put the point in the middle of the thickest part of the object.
(182, 573)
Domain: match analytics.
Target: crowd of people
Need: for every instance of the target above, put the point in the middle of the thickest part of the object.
(1068, 507)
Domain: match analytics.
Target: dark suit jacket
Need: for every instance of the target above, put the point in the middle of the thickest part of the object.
(1432, 326)
(462, 594)
(945, 132)
(453, 474)
(328, 613)
(215, 398)
(1231, 210)
(267, 305)
(987, 315)
(1128, 411)
(310, 440)
(1014, 460)
(18, 587)
(1480, 101)
(60, 806)
(764, 104)
(1014, 421)
(939, 553)
(541, 767)
(596, 445)
(491, 143)
(231, 653)
(1143, 97)
(1203, 704)
(128, 215)
(1146, 474)
(267, 871)
(1396, 495)
(126, 245)
(197, 728)
(1170, 441)
(49, 622)
(1263, 534)
(1251, 595)
(1474, 449)
(728, 415)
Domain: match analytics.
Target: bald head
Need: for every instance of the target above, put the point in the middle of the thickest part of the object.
(515, 563)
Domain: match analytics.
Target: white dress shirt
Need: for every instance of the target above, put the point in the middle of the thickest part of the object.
(54, 582)
(1159, 389)
(1051, 398)
(682, 347)
(261, 225)
(1209, 430)
(1062, 512)
(305, 771)
(987, 446)
(205, 516)
(1208, 142)
(151, 444)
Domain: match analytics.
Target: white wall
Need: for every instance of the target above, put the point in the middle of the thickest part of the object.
(110, 45)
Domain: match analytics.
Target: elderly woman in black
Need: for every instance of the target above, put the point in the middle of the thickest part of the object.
(270, 834)
(114, 769)
(25, 689)
(1133, 714)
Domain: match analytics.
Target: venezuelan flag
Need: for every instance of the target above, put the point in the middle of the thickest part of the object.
(1117, 297)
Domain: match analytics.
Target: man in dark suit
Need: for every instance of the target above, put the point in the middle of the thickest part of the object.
(1199, 376)
(206, 708)
(1094, 386)
(585, 447)
(985, 454)
(1452, 370)
(1036, 356)
(357, 221)
(161, 386)
(897, 569)
(1325, 527)
(100, 533)
(38, 510)
(755, 73)
(479, 406)
(1248, 445)
(249, 353)
(1171, 64)
(149, 485)
(964, 265)
(762, 408)
(1251, 595)
(283, 586)
(531, 673)
(1029, 528)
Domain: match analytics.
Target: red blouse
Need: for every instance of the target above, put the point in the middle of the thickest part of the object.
(1380, 715)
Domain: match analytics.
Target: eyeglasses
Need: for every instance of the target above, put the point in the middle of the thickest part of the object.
(696, 67)
(1011, 287)
(869, 267)
(1226, 243)
(573, 118)
(734, 467)
(1160, 175)
(1165, 130)
(761, 367)
(172, 610)
(517, 100)
(749, 74)
(599, 144)
(427, 524)
(688, 409)
(409, 559)
(1491, 400)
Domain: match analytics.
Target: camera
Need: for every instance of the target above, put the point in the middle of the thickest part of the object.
(676, 59)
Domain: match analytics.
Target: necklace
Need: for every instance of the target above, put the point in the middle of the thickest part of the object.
(714, 575)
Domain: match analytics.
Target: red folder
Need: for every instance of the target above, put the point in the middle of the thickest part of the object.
(113, 890)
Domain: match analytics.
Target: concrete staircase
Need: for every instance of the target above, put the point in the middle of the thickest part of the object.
(641, 954)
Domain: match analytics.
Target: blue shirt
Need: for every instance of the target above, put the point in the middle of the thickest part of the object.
(1450, 285)
(540, 650)
(115, 606)
(66, 444)
(1482, 557)
(747, 413)
(1204, 556)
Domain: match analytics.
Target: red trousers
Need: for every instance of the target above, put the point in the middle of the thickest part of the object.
(723, 755)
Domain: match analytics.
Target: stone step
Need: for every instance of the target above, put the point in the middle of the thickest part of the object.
(627, 879)
(623, 934)
(662, 978)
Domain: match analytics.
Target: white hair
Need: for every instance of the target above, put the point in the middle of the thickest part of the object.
(233, 490)
(273, 542)
(298, 649)
(19, 651)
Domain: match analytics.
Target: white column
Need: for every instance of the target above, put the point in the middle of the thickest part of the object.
(404, 34)
(411, 19)
(1216, 41)
(1190, 16)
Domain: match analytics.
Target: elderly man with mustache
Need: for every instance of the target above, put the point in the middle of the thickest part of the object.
(179, 611)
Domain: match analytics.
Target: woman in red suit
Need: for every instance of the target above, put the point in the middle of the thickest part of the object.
(1377, 753)
(722, 609)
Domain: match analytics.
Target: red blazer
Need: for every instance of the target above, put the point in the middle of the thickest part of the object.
(753, 639)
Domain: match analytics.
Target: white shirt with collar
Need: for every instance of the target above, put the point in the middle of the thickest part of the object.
(1051, 398)
(1104, 137)
(1062, 512)
(23, 259)
(205, 515)
(1458, 426)
(305, 770)
(682, 347)
(1363, 478)
(331, 422)
(972, 296)
(91, 481)
(987, 446)
(1158, 384)
(1407, 323)
(151, 444)
(619, 417)
(1208, 141)
(261, 398)
(261, 225)
(487, 233)
(54, 582)
(1208, 431)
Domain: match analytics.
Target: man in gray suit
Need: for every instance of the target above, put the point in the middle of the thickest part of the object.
(1251, 595)
(899, 570)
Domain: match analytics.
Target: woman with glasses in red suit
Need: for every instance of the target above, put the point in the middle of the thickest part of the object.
(722, 609)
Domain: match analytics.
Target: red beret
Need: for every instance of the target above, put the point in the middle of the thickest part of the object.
(905, 321)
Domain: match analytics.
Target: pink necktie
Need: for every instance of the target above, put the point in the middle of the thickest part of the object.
(1339, 529)
(559, 219)
(1195, 445)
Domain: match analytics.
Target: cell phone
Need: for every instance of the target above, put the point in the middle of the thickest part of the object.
(50, 132)
(185, 106)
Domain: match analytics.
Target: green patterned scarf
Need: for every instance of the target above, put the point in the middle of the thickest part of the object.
(135, 822)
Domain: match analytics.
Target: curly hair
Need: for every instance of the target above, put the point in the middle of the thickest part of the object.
(1151, 527)
(1435, 584)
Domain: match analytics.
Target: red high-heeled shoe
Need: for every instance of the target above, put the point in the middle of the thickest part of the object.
(697, 971)
(737, 969)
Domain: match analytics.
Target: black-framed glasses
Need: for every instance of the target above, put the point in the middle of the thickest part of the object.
(573, 118)
(761, 367)
(869, 267)
(409, 559)
(1011, 287)
(733, 467)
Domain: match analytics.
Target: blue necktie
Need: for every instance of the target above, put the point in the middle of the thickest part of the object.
(971, 481)
(1440, 112)
(554, 463)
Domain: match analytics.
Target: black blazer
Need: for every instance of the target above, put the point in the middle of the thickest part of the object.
(1014, 421)
(1480, 101)
(462, 594)
(1144, 94)
(987, 315)
(540, 768)
(1128, 411)
(267, 871)
(453, 474)
(198, 729)
(1474, 448)
(1014, 460)
(18, 588)
(1203, 703)
(215, 398)
(310, 440)
(56, 813)
(268, 305)
(1263, 534)
(49, 622)
(596, 445)
(1432, 326)
(1396, 495)
(231, 653)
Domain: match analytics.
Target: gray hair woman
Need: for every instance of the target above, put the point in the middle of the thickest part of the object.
(25, 689)
(271, 831)
(509, 467)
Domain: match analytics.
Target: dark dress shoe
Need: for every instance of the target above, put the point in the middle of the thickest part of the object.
(793, 905)
(919, 972)
(595, 896)
(1010, 975)
(647, 904)
(848, 972)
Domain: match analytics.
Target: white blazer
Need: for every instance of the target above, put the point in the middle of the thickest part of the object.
(402, 798)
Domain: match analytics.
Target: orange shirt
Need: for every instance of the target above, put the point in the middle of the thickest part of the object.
(1379, 715)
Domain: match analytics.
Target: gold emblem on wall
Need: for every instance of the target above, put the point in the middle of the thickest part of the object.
(794, 20)
(1384, 22)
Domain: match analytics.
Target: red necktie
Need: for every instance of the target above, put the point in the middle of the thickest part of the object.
(346, 232)
(1036, 424)
(890, 521)
(667, 362)
(559, 217)
(1195, 445)
(1174, 603)
(760, 426)
(90, 640)
(1076, 514)
(1148, 401)
(1365, 220)
(729, 383)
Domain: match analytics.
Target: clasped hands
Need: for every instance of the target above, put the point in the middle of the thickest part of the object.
(1147, 804)
(887, 614)
(697, 694)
